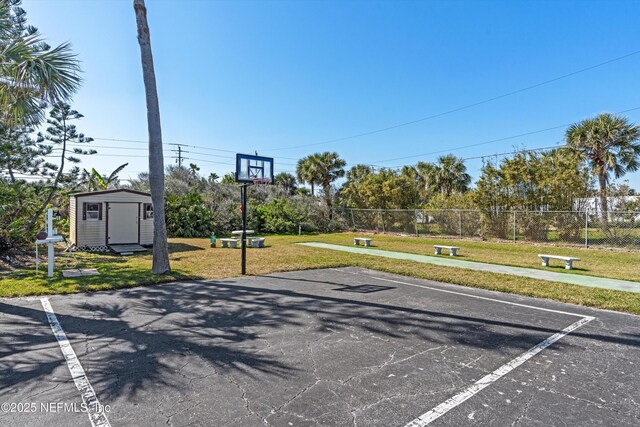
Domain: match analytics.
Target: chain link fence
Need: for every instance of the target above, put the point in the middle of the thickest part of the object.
(583, 228)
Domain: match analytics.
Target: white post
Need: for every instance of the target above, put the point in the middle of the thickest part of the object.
(50, 254)
(50, 222)
(586, 228)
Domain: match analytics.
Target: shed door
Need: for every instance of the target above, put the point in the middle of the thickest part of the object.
(123, 223)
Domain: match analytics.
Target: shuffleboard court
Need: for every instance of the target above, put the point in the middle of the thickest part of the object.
(320, 347)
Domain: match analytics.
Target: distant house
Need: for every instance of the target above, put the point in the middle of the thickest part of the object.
(98, 219)
(613, 203)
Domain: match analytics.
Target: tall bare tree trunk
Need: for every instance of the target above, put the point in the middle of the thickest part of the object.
(156, 160)
(604, 217)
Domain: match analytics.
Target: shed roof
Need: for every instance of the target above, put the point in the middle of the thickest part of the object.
(118, 190)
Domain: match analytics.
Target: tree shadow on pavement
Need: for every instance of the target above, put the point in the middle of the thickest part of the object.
(145, 337)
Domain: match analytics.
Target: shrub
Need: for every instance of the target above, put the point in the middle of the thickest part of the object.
(279, 216)
(187, 216)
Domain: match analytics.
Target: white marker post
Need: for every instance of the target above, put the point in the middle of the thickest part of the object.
(50, 252)
(49, 241)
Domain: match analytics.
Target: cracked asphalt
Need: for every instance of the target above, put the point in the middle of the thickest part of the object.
(335, 347)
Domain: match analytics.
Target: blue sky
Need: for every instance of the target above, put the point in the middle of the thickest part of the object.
(241, 76)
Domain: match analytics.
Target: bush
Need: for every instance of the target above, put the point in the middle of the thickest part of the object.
(279, 216)
(186, 216)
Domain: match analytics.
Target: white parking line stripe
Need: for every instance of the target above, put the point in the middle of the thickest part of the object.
(451, 403)
(466, 295)
(484, 382)
(96, 413)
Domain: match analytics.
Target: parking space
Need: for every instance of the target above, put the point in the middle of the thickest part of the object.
(321, 347)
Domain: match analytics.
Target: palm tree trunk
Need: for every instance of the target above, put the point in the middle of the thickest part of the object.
(312, 193)
(156, 160)
(326, 188)
(604, 220)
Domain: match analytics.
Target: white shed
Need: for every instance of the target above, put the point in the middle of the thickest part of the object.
(98, 219)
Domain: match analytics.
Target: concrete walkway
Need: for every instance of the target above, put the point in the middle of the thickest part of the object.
(574, 279)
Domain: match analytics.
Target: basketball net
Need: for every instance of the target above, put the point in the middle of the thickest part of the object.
(261, 182)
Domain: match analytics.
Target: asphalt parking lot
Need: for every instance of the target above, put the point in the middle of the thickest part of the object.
(320, 347)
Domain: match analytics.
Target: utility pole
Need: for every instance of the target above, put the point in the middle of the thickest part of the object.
(179, 158)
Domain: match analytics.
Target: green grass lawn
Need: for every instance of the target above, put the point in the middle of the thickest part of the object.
(601, 263)
(193, 259)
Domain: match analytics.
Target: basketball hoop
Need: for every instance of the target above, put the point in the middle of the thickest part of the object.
(251, 170)
(261, 181)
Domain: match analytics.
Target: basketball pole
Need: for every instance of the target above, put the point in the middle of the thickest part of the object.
(244, 228)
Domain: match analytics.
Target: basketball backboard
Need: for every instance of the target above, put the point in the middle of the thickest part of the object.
(250, 168)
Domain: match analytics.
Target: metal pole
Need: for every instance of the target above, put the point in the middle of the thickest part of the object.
(415, 219)
(353, 221)
(586, 228)
(244, 228)
(381, 220)
(514, 226)
(460, 224)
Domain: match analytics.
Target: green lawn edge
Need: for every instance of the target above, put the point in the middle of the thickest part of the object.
(192, 259)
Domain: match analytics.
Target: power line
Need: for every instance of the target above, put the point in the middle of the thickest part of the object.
(177, 144)
(465, 107)
(229, 151)
(473, 145)
(208, 161)
(523, 150)
(111, 147)
(489, 141)
(179, 151)
(531, 150)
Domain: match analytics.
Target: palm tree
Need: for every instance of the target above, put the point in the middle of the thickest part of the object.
(609, 144)
(426, 179)
(32, 72)
(286, 181)
(213, 177)
(307, 171)
(156, 160)
(450, 175)
(95, 181)
(329, 167)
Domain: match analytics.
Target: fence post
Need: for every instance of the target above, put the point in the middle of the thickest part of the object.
(415, 221)
(381, 220)
(514, 226)
(353, 221)
(586, 228)
(459, 223)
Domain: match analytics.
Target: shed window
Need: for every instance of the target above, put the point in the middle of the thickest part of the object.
(92, 211)
(147, 211)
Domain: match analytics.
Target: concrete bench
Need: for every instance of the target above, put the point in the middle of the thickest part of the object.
(567, 260)
(255, 242)
(357, 240)
(453, 250)
(230, 243)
